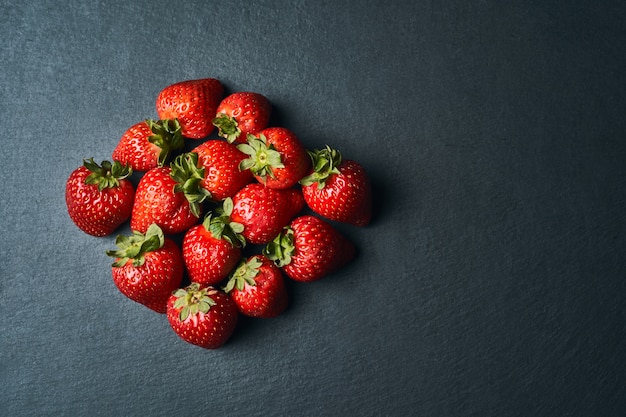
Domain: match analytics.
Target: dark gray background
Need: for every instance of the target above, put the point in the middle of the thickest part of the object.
(491, 282)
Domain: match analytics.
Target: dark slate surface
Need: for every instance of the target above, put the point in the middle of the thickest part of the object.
(491, 282)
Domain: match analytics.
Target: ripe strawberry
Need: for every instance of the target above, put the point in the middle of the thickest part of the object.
(99, 198)
(160, 199)
(220, 161)
(211, 250)
(193, 103)
(338, 190)
(148, 144)
(147, 267)
(258, 288)
(202, 315)
(309, 249)
(263, 211)
(276, 157)
(242, 113)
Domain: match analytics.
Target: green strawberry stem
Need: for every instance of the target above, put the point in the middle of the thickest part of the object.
(137, 245)
(221, 227)
(227, 127)
(325, 164)
(107, 174)
(244, 274)
(262, 158)
(193, 300)
(167, 135)
(188, 175)
(281, 249)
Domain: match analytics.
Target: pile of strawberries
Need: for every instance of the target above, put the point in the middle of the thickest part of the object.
(250, 202)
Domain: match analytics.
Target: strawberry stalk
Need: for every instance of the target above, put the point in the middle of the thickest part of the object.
(227, 127)
(282, 248)
(188, 175)
(325, 163)
(193, 300)
(244, 274)
(221, 226)
(136, 246)
(107, 174)
(263, 159)
(167, 135)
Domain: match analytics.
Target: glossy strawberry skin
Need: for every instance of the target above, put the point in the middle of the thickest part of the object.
(294, 157)
(209, 330)
(346, 197)
(265, 211)
(193, 103)
(156, 202)
(152, 283)
(319, 249)
(220, 160)
(208, 260)
(251, 112)
(135, 149)
(268, 296)
(97, 213)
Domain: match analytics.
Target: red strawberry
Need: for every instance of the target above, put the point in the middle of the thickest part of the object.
(147, 267)
(193, 103)
(148, 144)
(99, 198)
(211, 250)
(220, 161)
(242, 113)
(202, 315)
(258, 288)
(276, 157)
(263, 211)
(160, 199)
(338, 190)
(309, 249)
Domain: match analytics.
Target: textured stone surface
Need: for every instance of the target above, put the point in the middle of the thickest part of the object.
(491, 282)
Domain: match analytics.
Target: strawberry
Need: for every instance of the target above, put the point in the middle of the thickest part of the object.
(241, 113)
(220, 161)
(99, 198)
(202, 315)
(309, 249)
(193, 103)
(148, 144)
(147, 268)
(161, 199)
(338, 189)
(211, 250)
(258, 288)
(276, 157)
(263, 211)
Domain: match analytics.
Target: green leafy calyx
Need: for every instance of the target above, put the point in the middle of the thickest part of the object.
(188, 176)
(107, 174)
(221, 226)
(167, 135)
(193, 300)
(262, 158)
(244, 274)
(325, 164)
(136, 246)
(227, 127)
(282, 248)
